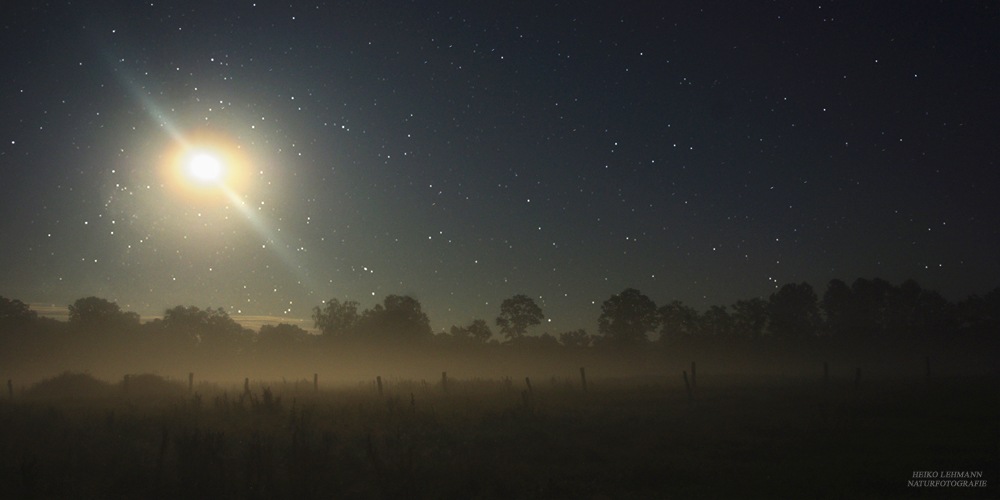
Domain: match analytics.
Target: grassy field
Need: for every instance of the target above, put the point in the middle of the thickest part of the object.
(623, 438)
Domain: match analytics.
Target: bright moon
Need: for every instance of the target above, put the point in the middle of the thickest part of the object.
(205, 167)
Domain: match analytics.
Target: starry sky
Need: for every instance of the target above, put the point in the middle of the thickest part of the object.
(465, 152)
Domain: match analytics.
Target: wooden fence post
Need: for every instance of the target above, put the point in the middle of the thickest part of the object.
(527, 380)
(687, 386)
(190, 381)
(583, 379)
(378, 380)
(246, 385)
(315, 382)
(444, 381)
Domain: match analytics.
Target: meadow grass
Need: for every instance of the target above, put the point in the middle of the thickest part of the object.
(737, 437)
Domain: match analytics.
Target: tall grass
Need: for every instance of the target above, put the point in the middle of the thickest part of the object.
(623, 438)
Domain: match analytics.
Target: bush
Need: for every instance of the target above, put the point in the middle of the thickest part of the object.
(69, 384)
(148, 384)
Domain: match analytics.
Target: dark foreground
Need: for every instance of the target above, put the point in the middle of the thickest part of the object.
(481, 439)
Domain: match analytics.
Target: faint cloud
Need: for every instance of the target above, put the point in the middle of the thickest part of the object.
(53, 311)
(255, 322)
(61, 313)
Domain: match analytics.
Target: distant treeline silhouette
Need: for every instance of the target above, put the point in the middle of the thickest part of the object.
(868, 314)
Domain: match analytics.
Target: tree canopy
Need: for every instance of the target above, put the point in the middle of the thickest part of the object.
(516, 315)
(627, 317)
(94, 313)
(336, 319)
(793, 312)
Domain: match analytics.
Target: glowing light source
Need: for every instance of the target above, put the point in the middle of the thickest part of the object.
(202, 165)
(205, 167)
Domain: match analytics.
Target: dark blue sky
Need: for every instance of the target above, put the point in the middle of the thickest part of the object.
(462, 153)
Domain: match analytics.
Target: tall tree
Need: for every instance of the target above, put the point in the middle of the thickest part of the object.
(282, 334)
(842, 310)
(94, 314)
(13, 311)
(793, 312)
(478, 332)
(516, 315)
(980, 315)
(716, 322)
(677, 321)
(873, 299)
(336, 319)
(575, 339)
(398, 318)
(210, 329)
(750, 318)
(626, 318)
(18, 329)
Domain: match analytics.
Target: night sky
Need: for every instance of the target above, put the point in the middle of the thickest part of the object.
(462, 153)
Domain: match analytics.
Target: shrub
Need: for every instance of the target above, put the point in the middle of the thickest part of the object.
(148, 384)
(69, 384)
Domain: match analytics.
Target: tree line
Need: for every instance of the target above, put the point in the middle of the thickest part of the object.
(865, 313)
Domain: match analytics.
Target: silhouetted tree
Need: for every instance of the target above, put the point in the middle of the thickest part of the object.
(749, 318)
(716, 322)
(336, 319)
(15, 312)
(275, 343)
(981, 315)
(398, 318)
(677, 321)
(842, 310)
(575, 339)
(212, 331)
(282, 334)
(93, 314)
(935, 315)
(543, 344)
(873, 298)
(18, 331)
(793, 312)
(516, 315)
(876, 310)
(477, 332)
(626, 318)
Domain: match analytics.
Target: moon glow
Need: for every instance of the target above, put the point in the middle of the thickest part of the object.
(205, 167)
